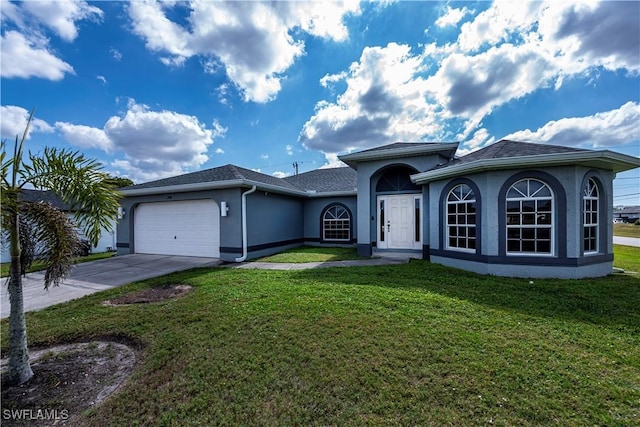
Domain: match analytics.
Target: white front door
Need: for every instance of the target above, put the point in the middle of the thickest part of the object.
(399, 218)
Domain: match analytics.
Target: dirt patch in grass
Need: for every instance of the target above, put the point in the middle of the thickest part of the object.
(146, 296)
(68, 380)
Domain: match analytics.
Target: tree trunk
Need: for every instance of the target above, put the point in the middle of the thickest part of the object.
(19, 367)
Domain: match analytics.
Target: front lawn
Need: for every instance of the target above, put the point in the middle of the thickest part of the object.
(39, 266)
(313, 254)
(626, 230)
(414, 344)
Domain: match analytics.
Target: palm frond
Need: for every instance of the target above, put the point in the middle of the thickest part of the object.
(80, 183)
(47, 234)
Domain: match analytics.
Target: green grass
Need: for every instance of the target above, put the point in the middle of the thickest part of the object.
(38, 265)
(627, 258)
(626, 230)
(313, 254)
(415, 344)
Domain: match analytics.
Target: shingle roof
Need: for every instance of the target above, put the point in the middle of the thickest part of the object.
(506, 148)
(326, 180)
(218, 174)
(316, 181)
(47, 196)
(395, 146)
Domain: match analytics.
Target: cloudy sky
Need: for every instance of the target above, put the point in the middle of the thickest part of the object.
(156, 89)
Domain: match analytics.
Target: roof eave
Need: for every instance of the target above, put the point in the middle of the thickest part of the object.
(332, 194)
(604, 159)
(352, 159)
(215, 185)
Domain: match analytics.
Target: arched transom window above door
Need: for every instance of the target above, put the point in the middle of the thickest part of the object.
(396, 180)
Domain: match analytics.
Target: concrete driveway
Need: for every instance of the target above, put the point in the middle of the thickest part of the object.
(95, 276)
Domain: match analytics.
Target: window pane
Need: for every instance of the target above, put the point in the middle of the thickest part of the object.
(544, 246)
(529, 216)
(513, 206)
(528, 206)
(461, 208)
(513, 245)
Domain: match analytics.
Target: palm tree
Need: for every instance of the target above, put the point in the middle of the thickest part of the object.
(38, 230)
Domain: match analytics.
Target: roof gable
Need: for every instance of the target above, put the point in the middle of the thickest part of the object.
(400, 150)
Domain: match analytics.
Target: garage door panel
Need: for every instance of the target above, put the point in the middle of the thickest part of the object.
(189, 228)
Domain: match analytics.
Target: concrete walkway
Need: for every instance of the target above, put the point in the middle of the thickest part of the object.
(95, 276)
(309, 265)
(626, 241)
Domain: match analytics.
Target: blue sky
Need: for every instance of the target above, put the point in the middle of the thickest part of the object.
(159, 89)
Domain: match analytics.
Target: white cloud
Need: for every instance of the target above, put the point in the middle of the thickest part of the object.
(452, 16)
(13, 121)
(219, 151)
(280, 174)
(505, 53)
(61, 16)
(102, 79)
(384, 102)
(25, 58)
(154, 144)
(254, 41)
(115, 54)
(604, 129)
(480, 139)
(85, 136)
(25, 47)
(289, 149)
(332, 161)
(470, 87)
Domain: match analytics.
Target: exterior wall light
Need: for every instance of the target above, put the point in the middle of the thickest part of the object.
(224, 209)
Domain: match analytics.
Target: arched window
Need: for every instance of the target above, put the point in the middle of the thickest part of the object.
(396, 179)
(591, 204)
(461, 218)
(336, 224)
(530, 218)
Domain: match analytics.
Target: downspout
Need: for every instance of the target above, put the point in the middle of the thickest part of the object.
(244, 224)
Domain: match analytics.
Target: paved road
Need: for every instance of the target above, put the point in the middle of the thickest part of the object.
(90, 277)
(627, 241)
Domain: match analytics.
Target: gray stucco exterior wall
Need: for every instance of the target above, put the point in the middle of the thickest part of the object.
(274, 222)
(315, 207)
(568, 259)
(230, 226)
(368, 175)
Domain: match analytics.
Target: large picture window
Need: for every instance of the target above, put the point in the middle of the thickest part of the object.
(336, 224)
(530, 218)
(461, 218)
(590, 222)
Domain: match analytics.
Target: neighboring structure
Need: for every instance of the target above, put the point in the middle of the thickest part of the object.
(512, 208)
(107, 240)
(628, 214)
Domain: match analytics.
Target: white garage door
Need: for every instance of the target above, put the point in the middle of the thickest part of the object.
(189, 228)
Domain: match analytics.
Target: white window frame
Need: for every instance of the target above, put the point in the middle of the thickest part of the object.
(461, 199)
(530, 195)
(338, 220)
(591, 193)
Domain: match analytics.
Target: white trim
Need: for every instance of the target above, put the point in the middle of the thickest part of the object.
(604, 159)
(551, 227)
(244, 224)
(393, 153)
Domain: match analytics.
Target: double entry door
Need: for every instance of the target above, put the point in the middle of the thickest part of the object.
(399, 221)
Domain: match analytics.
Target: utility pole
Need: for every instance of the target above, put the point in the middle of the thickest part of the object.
(295, 167)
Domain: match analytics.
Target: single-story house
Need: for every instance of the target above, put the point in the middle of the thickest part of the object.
(512, 208)
(107, 240)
